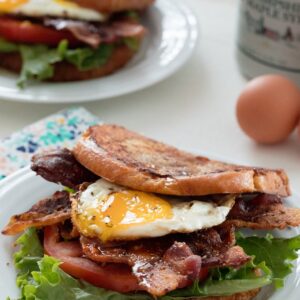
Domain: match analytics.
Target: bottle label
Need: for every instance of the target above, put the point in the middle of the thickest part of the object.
(269, 32)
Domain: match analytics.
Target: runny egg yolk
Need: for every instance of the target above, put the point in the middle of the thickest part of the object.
(66, 3)
(9, 5)
(119, 211)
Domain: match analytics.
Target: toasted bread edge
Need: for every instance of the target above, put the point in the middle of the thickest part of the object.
(239, 296)
(243, 180)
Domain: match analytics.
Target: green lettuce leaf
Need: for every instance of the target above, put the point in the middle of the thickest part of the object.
(40, 278)
(277, 253)
(7, 47)
(69, 190)
(51, 283)
(132, 43)
(227, 281)
(30, 252)
(133, 15)
(38, 60)
(88, 58)
(273, 256)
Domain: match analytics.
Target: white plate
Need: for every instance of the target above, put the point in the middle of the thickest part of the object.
(171, 39)
(21, 190)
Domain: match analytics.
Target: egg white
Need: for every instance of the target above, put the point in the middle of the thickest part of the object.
(186, 216)
(42, 8)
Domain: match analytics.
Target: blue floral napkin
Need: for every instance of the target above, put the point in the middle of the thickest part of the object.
(55, 131)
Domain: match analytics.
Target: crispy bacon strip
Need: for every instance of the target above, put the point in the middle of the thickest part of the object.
(207, 243)
(178, 268)
(234, 257)
(52, 210)
(260, 212)
(60, 166)
(68, 231)
(94, 34)
(174, 261)
(263, 212)
(157, 272)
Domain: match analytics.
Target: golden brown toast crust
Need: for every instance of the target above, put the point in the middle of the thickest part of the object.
(132, 160)
(240, 296)
(114, 5)
(65, 71)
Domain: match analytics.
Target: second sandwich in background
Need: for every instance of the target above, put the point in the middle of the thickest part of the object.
(64, 41)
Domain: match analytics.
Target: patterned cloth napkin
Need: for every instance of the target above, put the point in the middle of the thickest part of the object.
(55, 131)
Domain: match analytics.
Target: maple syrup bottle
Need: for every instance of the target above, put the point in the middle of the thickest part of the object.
(269, 38)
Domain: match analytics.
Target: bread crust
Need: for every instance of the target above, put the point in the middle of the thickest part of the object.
(239, 296)
(132, 160)
(64, 71)
(110, 6)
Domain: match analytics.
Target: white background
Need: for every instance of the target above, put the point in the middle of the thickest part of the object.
(194, 109)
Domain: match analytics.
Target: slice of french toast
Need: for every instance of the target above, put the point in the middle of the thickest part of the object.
(130, 159)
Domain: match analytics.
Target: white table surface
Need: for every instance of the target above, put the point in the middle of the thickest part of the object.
(194, 109)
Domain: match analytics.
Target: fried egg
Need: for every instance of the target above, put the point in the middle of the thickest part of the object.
(52, 8)
(111, 212)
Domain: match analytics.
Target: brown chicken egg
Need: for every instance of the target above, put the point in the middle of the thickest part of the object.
(268, 109)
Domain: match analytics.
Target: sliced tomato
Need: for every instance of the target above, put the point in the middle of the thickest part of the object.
(115, 277)
(26, 32)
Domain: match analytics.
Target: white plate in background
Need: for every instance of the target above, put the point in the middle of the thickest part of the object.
(171, 39)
